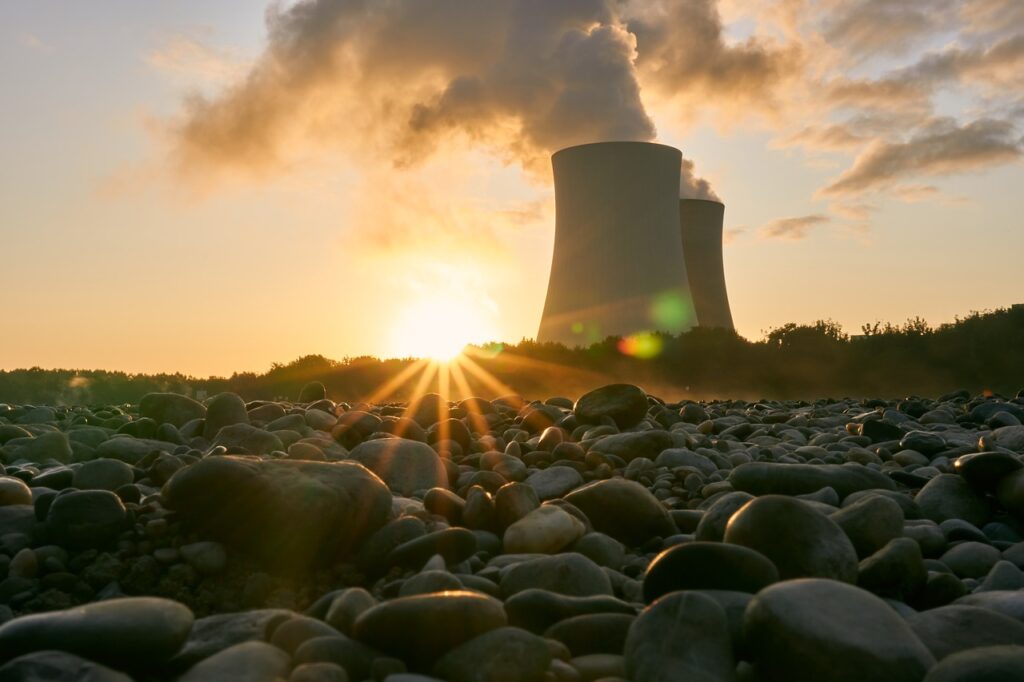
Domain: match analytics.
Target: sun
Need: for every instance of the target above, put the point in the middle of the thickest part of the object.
(438, 329)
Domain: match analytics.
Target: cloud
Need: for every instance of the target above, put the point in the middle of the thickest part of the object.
(988, 17)
(189, 58)
(795, 228)
(942, 148)
(831, 137)
(693, 187)
(519, 78)
(869, 27)
(682, 52)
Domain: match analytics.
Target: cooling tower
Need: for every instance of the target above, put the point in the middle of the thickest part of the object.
(618, 265)
(701, 224)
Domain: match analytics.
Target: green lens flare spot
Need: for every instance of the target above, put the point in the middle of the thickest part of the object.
(671, 311)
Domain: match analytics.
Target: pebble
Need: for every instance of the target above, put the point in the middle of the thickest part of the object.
(508, 654)
(624, 404)
(624, 510)
(708, 566)
(404, 465)
(570, 574)
(545, 530)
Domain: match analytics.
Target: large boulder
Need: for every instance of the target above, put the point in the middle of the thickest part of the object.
(223, 409)
(171, 408)
(290, 513)
(85, 518)
(405, 465)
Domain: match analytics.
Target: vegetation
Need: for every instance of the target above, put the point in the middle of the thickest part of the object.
(980, 352)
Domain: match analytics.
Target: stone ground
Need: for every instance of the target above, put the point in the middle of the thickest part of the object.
(615, 537)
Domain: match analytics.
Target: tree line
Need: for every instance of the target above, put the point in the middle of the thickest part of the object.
(983, 351)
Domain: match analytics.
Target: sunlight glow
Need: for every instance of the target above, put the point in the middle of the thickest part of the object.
(438, 329)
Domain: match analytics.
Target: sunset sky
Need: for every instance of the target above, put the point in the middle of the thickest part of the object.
(214, 186)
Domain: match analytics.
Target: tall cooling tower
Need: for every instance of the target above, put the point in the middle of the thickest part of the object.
(618, 265)
(701, 224)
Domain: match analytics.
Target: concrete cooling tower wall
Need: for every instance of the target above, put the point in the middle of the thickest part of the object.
(618, 265)
(701, 224)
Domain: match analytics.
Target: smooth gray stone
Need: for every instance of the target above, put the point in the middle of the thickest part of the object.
(431, 624)
(255, 440)
(950, 629)
(85, 518)
(870, 523)
(508, 654)
(625, 404)
(171, 408)
(223, 409)
(213, 634)
(630, 446)
(554, 482)
(812, 630)
(128, 632)
(712, 525)
(250, 661)
(985, 664)
(623, 509)
(771, 478)
(1010, 603)
(683, 636)
(948, 496)
(570, 574)
(404, 465)
(537, 610)
(798, 540)
(131, 450)
(57, 666)
(102, 474)
(258, 505)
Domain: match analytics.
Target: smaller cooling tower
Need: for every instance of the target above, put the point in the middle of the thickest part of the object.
(617, 267)
(701, 224)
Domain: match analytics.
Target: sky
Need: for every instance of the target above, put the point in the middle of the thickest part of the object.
(213, 187)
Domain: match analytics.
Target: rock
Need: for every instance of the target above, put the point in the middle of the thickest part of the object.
(948, 496)
(601, 549)
(52, 445)
(985, 664)
(171, 408)
(870, 523)
(14, 491)
(318, 672)
(432, 624)
(708, 566)
(216, 633)
(624, 403)
(682, 636)
(951, 629)
(294, 632)
(1010, 492)
(255, 440)
(1009, 437)
(537, 610)
(554, 481)
(131, 450)
(508, 654)
(102, 474)
(896, 571)
(312, 392)
(258, 505)
(925, 442)
(208, 558)
(545, 530)
(250, 661)
(681, 457)
(1010, 603)
(404, 465)
(86, 518)
(430, 582)
(570, 574)
(346, 608)
(355, 657)
(623, 509)
(223, 409)
(595, 633)
(630, 446)
(129, 632)
(454, 545)
(57, 666)
(971, 559)
(818, 630)
(512, 502)
(1004, 575)
(984, 470)
(770, 478)
(712, 524)
(798, 540)
(375, 551)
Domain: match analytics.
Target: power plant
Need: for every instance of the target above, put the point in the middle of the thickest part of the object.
(624, 245)
(700, 222)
